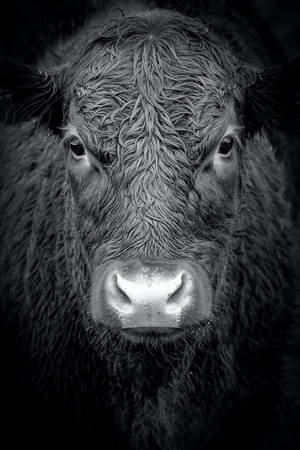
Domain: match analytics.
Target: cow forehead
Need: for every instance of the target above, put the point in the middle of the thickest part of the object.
(152, 74)
(158, 49)
(152, 84)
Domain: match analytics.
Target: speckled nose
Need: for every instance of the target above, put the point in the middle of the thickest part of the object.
(148, 296)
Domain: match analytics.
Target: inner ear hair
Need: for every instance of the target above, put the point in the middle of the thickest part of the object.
(33, 92)
(273, 101)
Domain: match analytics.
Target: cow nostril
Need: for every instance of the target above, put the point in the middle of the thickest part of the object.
(122, 295)
(176, 296)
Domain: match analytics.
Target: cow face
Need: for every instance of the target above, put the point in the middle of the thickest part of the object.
(155, 158)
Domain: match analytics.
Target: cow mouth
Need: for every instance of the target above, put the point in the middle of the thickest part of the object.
(148, 333)
(150, 337)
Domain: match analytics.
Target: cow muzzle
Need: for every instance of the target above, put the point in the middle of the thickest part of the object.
(157, 297)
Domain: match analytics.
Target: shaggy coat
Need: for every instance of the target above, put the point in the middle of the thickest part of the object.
(150, 95)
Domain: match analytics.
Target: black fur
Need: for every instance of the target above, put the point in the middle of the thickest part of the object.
(76, 382)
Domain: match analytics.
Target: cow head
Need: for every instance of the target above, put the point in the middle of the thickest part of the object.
(154, 115)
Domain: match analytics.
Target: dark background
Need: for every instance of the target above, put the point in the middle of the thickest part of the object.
(27, 26)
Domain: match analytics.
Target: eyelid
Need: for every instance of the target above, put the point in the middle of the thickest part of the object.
(74, 140)
(236, 141)
(232, 133)
(209, 147)
(70, 137)
(90, 154)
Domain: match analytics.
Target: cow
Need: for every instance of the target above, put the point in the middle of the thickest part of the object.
(146, 236)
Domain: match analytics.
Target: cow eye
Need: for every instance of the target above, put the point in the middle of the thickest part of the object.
(226, 146)
(76, 148)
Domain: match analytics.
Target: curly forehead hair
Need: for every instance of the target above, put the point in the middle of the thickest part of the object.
(168, 35)
(161, 69)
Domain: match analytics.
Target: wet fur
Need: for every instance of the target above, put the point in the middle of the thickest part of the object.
(156, 396)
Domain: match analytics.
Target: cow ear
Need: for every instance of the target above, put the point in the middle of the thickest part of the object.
(273, 101)
(33, 93)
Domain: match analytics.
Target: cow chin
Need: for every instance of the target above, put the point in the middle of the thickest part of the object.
(143, 299)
